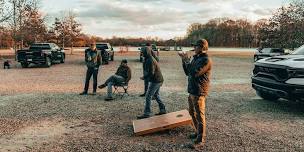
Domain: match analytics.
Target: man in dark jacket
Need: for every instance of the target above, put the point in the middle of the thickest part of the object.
(198, 72)
(155, 79)
(122, 75)
(93, 61)
(146, 81)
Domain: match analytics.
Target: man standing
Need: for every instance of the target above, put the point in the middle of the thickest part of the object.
(93, 61)
(146, 81)
(155, 79)
(198, 72)
(122, 75)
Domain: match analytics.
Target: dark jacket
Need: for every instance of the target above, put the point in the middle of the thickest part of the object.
(125, 72)
(198, 72)
(95, 56)
(152, 71)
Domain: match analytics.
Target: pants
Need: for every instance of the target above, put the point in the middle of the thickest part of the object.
(146, 85)
(153, 90)
(90, 72)
(197, 112)
(114, 80)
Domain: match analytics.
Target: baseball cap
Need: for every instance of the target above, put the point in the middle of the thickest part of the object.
(124, 61)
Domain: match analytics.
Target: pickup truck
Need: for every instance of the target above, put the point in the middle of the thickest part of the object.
(107, 52)
(41, 53)
(280, 76)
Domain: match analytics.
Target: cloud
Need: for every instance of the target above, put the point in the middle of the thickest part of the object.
(144, 15)
(163, 18)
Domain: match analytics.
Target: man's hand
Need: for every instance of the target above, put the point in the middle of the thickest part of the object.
(141, 78)
(183, 55)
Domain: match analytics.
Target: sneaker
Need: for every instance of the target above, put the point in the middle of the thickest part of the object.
(160, 113)
(83, 93)
(143, 117)
(94, 93)
(102, 86)
(142, 95)
(109, 98)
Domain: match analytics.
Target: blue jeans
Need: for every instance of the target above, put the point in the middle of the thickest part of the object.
(113, 80)
(153, 90)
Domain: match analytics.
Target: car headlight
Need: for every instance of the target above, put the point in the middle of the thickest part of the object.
(296, 73)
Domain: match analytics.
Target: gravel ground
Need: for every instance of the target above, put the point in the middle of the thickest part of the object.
(40, 110)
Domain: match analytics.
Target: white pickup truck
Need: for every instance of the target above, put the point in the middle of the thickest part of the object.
(280, 76)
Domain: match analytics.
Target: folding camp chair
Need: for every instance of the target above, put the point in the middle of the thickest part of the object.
(121, 89)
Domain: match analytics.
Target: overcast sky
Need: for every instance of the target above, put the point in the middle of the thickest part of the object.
(162, 18)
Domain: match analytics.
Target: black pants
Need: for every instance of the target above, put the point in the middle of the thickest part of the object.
(90, 72)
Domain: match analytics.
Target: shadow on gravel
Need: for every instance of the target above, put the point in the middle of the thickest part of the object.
(288, 108)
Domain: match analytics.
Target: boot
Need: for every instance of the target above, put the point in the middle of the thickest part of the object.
(102, 86)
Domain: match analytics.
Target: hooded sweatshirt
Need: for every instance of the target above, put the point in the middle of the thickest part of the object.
(152, 71)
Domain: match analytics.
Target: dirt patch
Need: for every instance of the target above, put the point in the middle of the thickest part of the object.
(38, 134)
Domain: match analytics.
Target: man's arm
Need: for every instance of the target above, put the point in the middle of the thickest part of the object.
(186, 66)
(86, 56)
(99, 58)
(129, 75)
(206, 66)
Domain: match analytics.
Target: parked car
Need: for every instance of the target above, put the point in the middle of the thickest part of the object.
(280, 76)
(154, 49)
(107, 52)
(268, 52)
(41, 53)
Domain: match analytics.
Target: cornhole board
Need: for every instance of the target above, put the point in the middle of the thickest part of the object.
(162, 122)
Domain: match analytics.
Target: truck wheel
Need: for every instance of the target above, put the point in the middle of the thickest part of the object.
(48, 62)
(62, 59)
(267, 96)
(24, 64)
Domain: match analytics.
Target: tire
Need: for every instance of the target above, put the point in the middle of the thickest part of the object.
(24, 64)
(267, 96)
(62, 59)
(48, 62)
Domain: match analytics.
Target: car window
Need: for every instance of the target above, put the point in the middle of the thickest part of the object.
(102, 46)
(40, 46)
(299, 51)
(277, 51)
(266, 50)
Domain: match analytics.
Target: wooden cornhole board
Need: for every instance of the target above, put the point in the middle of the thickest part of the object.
(162, 122)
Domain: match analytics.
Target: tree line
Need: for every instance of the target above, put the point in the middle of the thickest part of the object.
(284, 29)
(21, 24)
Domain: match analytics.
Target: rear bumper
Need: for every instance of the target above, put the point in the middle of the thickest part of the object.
(280, 89)
(31, 59)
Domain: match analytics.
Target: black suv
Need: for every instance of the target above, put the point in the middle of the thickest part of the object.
(280, 76)
(268, 52)
(41, 53)
(107, 52)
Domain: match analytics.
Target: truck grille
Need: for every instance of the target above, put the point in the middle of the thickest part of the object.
(278, 74)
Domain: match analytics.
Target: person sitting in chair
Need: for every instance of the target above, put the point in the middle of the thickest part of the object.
(122, 76)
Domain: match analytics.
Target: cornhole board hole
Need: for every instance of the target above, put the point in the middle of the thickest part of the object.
(162, 122)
